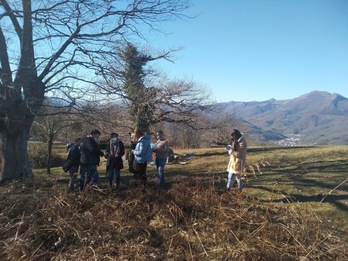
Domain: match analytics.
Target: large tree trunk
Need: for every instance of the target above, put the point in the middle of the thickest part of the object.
(15, 161)
(21, 99)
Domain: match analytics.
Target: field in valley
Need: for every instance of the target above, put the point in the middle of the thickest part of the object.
(293, 208)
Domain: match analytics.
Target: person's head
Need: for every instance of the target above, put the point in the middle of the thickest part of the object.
(137, 134)
(159, 135)
(77, 141)
(113, 137)
(95, 134)
(235, 134)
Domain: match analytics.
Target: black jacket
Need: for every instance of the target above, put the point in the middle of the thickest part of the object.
(74, 156)
(90, 152)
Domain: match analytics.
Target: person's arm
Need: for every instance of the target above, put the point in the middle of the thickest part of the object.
(122, 150)
(70, 155)
(95, 149)
(167, 148)
(139, 149)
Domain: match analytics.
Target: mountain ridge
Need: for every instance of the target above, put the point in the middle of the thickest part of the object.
(318, 117)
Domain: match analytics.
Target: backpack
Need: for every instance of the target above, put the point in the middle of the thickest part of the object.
(67, 165)
(131, 162)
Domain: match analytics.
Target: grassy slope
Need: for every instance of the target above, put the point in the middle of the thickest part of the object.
(292, 210)
(307, 175)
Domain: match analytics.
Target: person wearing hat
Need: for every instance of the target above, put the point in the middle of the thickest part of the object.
(237, 151)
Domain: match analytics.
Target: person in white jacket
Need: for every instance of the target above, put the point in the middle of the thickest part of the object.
(237, 151)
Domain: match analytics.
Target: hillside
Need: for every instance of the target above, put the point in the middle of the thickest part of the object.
(314, 118)
(293, 208)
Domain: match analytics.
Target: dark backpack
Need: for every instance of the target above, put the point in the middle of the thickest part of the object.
(67, 165)
(131, 162)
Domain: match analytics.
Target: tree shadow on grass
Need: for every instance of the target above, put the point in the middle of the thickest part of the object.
(291, 198)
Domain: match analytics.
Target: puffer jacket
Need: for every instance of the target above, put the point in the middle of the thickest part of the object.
(238, 157)
(143, 151)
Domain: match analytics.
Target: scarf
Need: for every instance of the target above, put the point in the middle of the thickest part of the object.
(114, 148)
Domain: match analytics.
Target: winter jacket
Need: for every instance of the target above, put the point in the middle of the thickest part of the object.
(74, 155)
(143, 151)
(162, 149)
(109, 155)
(90, 152)
(238, 156)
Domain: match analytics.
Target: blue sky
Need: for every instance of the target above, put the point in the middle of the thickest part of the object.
(255, 50)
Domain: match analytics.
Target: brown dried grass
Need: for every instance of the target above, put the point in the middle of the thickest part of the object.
(189, 221)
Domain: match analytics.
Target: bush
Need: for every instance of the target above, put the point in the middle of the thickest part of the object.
(38, 156)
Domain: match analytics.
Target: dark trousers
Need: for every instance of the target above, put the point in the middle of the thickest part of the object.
(73, 177)
(88, 175)
(140, 172)
(114, 172)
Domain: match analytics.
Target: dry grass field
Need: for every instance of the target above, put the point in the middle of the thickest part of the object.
(294, 207)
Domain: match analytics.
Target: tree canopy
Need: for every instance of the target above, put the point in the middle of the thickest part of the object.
(61, 48)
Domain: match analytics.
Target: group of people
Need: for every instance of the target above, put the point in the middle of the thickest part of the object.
(85, 155)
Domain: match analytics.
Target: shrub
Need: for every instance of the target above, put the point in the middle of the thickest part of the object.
(38, 156)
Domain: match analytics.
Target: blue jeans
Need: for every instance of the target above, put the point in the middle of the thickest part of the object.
(114, 172)
(232, 177)
(160, 163)
(88, 174)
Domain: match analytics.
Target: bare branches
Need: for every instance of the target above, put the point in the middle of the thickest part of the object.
(12, 15)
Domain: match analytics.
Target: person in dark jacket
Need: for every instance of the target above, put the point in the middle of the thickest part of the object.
(74, 160)
(114, 162)
(90, 159)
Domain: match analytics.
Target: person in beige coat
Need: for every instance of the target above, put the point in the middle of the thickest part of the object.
(237, 151)
(162, 152)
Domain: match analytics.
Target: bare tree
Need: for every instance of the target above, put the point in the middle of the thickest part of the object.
(48, 46)
(151, 97)
(50, 121)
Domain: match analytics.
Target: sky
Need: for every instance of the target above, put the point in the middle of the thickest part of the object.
(256, 50)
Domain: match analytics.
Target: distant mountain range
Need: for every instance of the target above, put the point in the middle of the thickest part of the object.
(316, 118)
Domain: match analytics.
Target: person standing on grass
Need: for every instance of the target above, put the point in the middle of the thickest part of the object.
(74, 159)
(131, 160)
(237, 151)
(162, 150)
(114, 162)
(142, 156)
(90, 159)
